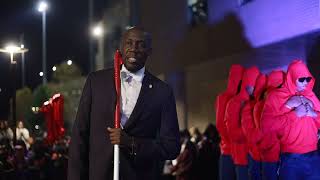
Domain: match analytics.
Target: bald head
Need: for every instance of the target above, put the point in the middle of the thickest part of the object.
(135, 48)
(137, 30)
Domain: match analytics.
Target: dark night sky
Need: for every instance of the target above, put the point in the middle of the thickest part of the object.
(67, 37)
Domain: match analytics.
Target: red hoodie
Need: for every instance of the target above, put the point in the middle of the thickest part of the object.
(235, 75)
(296, 134)
(233, 117)
(269, 152)
(268, 143)
(251, 131)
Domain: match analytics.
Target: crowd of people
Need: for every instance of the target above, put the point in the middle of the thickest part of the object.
(198, 158)
(36, 159)
(269, 124)
(31, 158)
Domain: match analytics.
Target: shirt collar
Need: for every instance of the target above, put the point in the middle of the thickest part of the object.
(138, 76)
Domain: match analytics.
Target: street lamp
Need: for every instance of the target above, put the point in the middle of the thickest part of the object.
(54, 68)
(13, 49)
(98, 33)
(43, 6)
(69, 62)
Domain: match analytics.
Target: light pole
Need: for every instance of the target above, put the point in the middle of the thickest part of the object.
(12, 49)
(90, 19)
(23, 66)
(43, 6)
(98, 33)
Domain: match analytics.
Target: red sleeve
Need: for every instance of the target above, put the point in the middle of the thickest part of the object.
(268, 141)
(252, 133)
(257, 110)
(247, 119)
(273, 118)
(273, 122)
(233, 121)
(220, 112)
(317, 120)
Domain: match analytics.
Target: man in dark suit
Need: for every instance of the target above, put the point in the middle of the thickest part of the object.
(149, 132)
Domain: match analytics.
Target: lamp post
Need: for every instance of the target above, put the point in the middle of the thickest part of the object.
(43, 6)
(23, 66)
(12, 49)
(98, 33)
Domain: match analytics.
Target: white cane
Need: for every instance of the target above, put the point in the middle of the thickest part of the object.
(116, 159)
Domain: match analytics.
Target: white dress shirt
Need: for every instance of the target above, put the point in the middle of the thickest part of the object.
(23, 134)
(130, 89)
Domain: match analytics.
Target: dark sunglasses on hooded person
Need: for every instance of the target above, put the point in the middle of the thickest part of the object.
(302, 79)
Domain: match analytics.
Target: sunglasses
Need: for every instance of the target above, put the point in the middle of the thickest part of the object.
(308, 79)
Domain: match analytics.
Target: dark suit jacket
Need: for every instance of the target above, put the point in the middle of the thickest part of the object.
(153, 123)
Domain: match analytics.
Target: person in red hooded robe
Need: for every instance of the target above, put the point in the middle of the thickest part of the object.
(269, 145)
(250, 129)
(226, 165)
(233, 122)
(295, 109)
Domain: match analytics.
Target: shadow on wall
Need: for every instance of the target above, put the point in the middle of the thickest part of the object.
(212, 41)
(313, 59)
(207, 52)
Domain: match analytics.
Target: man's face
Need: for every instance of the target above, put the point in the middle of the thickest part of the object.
(136, 49)
(302, 83)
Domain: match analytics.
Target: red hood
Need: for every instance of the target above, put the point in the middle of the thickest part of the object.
(298, 69)
(235, 75)
(275, 79)
(248, 79)
(260, 85)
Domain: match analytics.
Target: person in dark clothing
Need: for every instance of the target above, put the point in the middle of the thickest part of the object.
(6, 167)
(184, 165)
(150, 131)
(208, 155)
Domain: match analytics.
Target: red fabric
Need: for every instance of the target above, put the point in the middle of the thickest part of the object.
(297, 135)
(274, 80)
(235, 75)
(249, 127)
(250, 131)
(57, 104)
(233, 117)
(53, 112)
(268, 143)
(47, 110)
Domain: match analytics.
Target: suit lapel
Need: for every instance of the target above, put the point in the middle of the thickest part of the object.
(146, 88)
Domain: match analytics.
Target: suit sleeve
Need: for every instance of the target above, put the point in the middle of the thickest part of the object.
(78, 163)
(166, 146)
